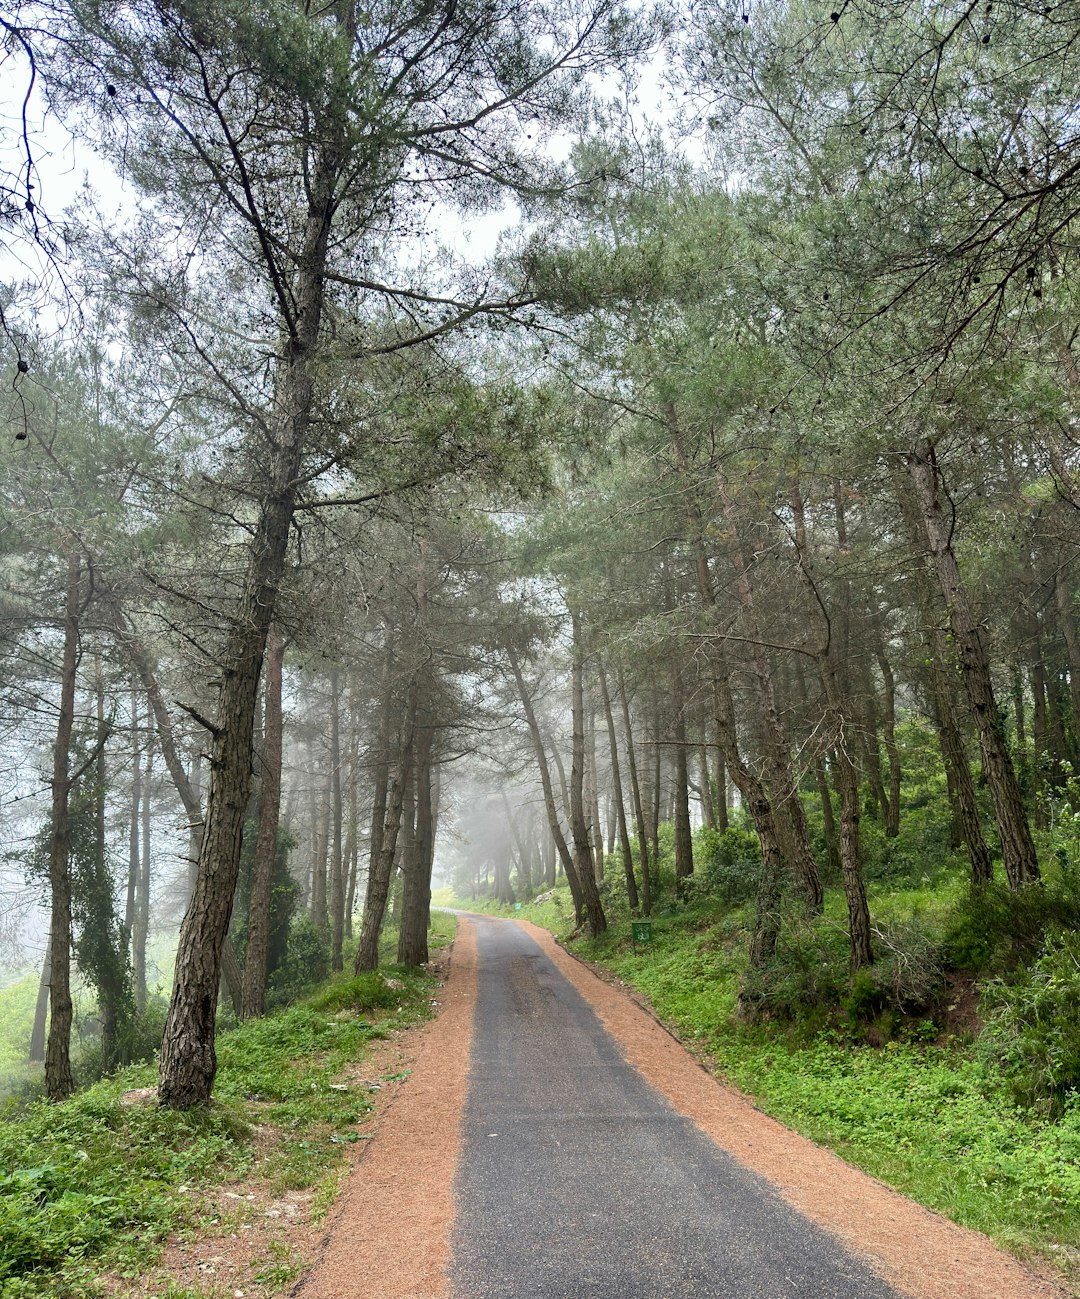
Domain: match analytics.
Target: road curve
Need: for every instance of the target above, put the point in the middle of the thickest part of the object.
(577, 1180)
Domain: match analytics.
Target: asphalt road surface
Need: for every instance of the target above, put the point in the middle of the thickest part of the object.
(578, 1181)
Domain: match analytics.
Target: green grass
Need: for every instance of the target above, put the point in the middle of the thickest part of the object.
(934, 1121)
(93, 1184)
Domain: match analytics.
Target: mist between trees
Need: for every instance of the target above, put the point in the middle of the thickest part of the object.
(720, 492)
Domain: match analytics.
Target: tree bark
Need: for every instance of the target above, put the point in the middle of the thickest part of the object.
(550, 807)
(416, 865)
(188, 1056)
(337, 876)
(684, 842)
(1017, 846)
(617, 794)
(381, 870)
(942, 679)
(59, 1081)
(579, 830)
(255, 958)
(635, 791)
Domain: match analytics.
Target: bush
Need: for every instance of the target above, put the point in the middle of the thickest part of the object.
(994, 928)
(1033, 1025)
(728, 864)
(808, 970)
(306, 963)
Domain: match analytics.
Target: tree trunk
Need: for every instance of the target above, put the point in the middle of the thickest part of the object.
(593, 787)
(134, 855)
(832, 653)
(617, 794)
(708, 808)
(253, 1001)
(416, 869)
(58, 1077)
(337, 875)
(140, 929)
(776, 743)
(188, 1057)
(958, 775)
(684, 842)
(381, 869)
(635, 791)
(1017, 846)
(41, 1010)
(550, 807)
(579, 830)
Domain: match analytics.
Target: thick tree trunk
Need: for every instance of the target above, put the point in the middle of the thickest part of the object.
(188, 1057)
(1017, 846)
(255, 958)
(617, 794)
(58, 1077)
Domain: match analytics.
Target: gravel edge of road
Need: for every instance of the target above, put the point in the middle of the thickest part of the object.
(389, 1235)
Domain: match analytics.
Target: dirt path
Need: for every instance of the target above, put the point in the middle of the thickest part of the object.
(394, 1235)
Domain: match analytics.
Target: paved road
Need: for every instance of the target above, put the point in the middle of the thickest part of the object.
(578, 1181)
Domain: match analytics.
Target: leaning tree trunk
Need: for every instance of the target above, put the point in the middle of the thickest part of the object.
(617, 794)
(255, 958)
(550, 807)
(188, 1057)
(58, 1077)
(1017, 846)
(635, 793)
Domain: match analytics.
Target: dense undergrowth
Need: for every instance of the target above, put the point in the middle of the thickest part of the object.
(951, 1069)
(97, 1182)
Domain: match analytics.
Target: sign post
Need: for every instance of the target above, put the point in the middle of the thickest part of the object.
(640, 932)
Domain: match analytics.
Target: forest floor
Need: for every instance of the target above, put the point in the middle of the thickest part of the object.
(545, 1173)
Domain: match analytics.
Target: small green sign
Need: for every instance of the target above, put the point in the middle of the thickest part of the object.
(641, 931)
(517, 906)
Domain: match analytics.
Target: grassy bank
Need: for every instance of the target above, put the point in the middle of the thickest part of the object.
(95, 1184)
(923, 1109)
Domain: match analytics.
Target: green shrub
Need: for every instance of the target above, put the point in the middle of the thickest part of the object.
(727, 864)
(808, 970)
(368, 991)
(1033, 1025)
(306, 963)
(995, 928)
